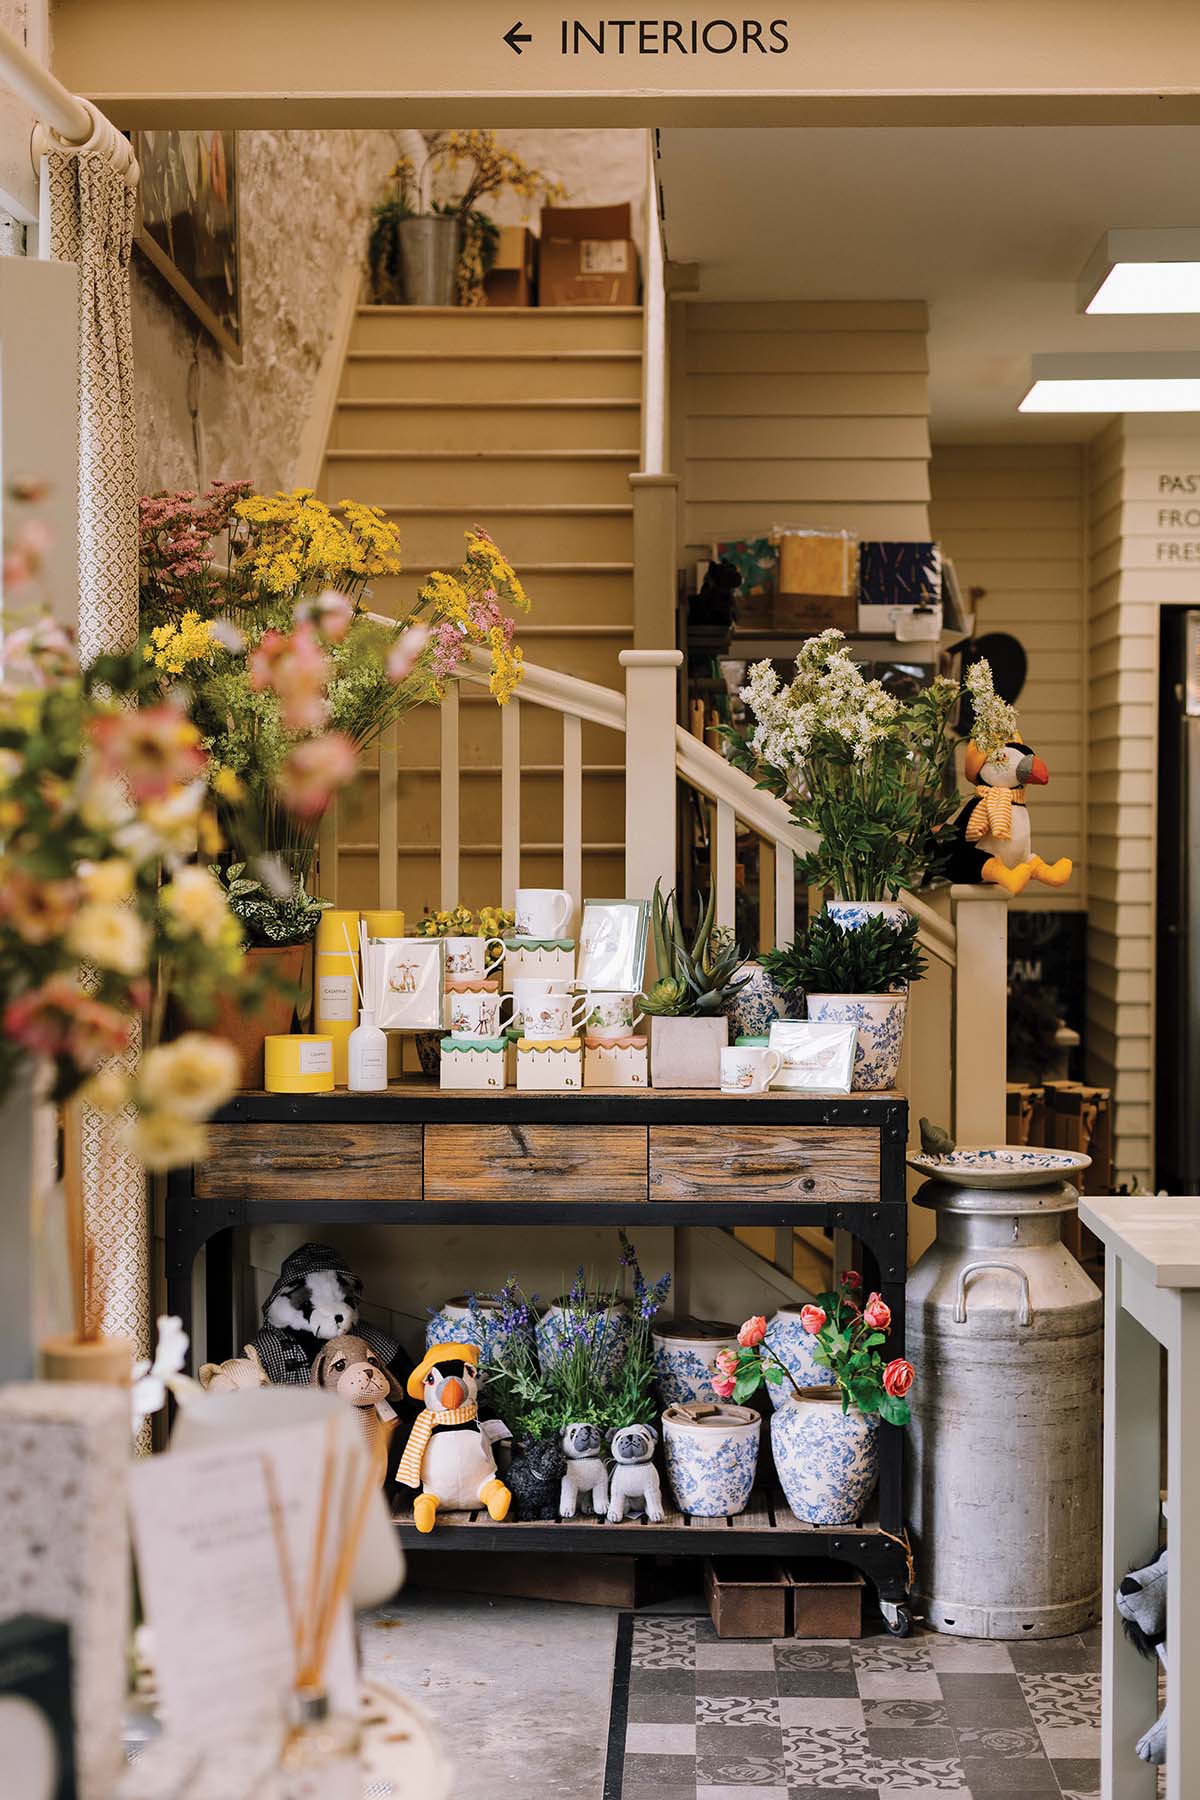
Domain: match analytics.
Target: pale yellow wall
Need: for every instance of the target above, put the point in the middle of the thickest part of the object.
(26, 19)
(1012, 517)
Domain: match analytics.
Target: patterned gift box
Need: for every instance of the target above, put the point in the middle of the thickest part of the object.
(473, 1062)
(817, 562)
(896, 575)
(546, 959)
(549, 1066)
(615, 1062)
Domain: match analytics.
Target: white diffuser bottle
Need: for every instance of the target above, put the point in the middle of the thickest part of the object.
(367, 1056)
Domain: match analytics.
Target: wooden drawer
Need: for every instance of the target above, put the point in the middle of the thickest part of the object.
(294, 1160)
(535, 1162)
(763, 1162)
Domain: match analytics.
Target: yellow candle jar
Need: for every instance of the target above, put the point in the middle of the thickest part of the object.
(335, 995)
(302, 1063)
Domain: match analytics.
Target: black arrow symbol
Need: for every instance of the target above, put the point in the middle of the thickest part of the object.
(514, 37)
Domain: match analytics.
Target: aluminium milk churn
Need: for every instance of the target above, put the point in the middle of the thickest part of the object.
(1004, 1330)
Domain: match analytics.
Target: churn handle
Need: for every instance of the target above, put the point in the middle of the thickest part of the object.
(1025, 1313)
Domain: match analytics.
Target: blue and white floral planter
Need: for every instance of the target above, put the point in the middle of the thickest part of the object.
(759, 1003)
(850, 914)
(452, 1323)
(827, 1461)
(711, 1462)
(558, 1323)
(793, 1345)
(683, 1361)
(879, 1019)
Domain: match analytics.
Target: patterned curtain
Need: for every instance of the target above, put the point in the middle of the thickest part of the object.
(93, 212)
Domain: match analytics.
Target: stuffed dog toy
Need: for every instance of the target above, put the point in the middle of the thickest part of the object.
(1142, 1604)
(245, 1371)
(348, 1367)
(585, 1472)
(635, 1479)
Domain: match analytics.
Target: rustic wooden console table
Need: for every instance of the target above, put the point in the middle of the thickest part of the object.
(416, 1155)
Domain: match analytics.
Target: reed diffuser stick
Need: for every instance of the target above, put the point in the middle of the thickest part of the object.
(279, 1531)
(340, 1582)
(353, 965)
(318, 1553)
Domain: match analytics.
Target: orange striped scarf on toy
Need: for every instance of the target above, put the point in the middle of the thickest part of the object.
(409, 1472)
(992, 816)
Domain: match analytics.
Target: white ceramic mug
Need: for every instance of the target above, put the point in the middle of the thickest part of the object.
(547, 1016)
(476, 1015)
(467, 958)
(749, 1069)
(544, 912)
(611, 1015)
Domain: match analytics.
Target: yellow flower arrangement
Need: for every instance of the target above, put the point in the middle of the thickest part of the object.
(460, 921)
(296, 542)
(172, 647)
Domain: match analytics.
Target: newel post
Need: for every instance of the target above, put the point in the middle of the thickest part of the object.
(980, 1014)
(650, 677)
(655, 567)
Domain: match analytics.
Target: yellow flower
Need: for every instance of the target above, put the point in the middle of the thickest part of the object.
(12, 814)
(196, 902)
(191, 1077)
(112, 937)
(163, 1140)
(108, 882)
(173, 646)
(228, 786)
(107, 1091)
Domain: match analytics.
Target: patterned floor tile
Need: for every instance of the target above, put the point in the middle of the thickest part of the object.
(1078, 1777)
(1062, 1700)
(794, 1709)
(658, 1771)
(928, 1743)
(984, 1700)
(737, 1791)
(664, 1643)
(882, 1654)
(1070, 1742)
(737, 1709)
(646, 1707)
(901, 1714)
(658, 1739)
(827, 1793)
(834, 1756)
(1074, 1655)
(968, 1656)
(899, 1684)
(741, 1759)
(920, 1776)
(1004, 1759)
(727, 1654)
(815, 1657)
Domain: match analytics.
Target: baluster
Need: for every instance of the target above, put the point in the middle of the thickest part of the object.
(572, 757)
(724, 844)
(510, 801)
(449, 799)
(785, 896)
(389, 815)
(766, 894)
(327, 852)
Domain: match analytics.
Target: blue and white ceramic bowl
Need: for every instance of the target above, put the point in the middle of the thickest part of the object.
(793, 1345)
(684, 1354)
(827, 1460)
(711, 1462)
(756, 1005)
(1002, 1166)
(850, 914)
(879, 1020)
(609, 1329)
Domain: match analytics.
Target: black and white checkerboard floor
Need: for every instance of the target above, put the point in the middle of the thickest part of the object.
(698, 1718)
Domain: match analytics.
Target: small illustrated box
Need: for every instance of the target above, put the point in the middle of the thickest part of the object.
(546, 959)
(552, 1066)
(473, 1063)
(617, 1062)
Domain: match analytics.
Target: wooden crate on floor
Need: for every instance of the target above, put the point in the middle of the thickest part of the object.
(1025, 1105)
(583, 1580)
(748, 1597)
(1079, 1117)
(826, 1599)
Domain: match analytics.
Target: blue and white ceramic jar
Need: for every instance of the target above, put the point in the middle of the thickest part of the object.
(608, 1328)
(758, 1003)
(850, 914)
(827, 1460)
(711, 1462)
(793, 1346)
(879, 1019)
(684, 1353)
(452, 1323)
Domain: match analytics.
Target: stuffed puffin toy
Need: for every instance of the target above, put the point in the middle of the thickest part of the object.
(449, 1453)
(991, 833)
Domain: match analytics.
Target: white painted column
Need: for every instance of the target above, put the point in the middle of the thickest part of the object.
(650, 677)
(980, 1014)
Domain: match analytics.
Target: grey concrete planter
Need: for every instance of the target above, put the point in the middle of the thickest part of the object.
(686, 1053)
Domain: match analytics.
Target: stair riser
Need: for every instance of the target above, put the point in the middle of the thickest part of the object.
(451, 378)
(479, 803)
(486, 428)
(420, 879)
(484, 328)
(479, 736)
(557, 599)
(559, 537)
(472, 483)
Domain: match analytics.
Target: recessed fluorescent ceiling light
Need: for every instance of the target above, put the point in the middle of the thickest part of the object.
(1142, 272)
(1154, 381)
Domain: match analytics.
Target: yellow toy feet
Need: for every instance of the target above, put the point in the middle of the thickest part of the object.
(496, 1498)
(1056, 874)
(425, 1511)
(1014, 881)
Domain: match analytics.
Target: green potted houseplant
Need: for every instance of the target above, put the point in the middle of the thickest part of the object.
(696, 981)
(277, 931)
(857, 976)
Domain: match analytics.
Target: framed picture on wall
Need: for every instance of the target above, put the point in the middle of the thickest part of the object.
(189, 224)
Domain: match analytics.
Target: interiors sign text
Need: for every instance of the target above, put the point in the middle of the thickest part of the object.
(662, 37)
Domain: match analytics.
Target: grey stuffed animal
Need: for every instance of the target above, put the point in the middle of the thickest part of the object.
(585, 1471)
(1142, 1604)
(634, 1480)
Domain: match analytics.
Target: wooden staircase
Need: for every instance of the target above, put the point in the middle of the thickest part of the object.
(527, 422)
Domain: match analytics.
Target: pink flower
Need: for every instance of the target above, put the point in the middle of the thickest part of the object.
(335, 614)
(727, 1362)
(297, 669)
(753, 1332)
(852, 1279)
(812, 1318)
(404, 654)
(898, 1377)
(155, 749)
(722, 1386)
(877, 1313)
(312, 770)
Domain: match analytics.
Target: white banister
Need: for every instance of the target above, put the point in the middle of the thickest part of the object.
(785, 894)
(558, 693)
(572, 789)
(725, 863)
(650, 677)
(449, 800)
(510, 801)
(980, 1014)
(389, 816)
(654, 330)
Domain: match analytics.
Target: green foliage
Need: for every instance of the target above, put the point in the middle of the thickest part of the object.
(695, 980)
(268, 918)
(383, 250)
(873, 958)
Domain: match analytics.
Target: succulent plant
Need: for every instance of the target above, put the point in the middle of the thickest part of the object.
(695, 982)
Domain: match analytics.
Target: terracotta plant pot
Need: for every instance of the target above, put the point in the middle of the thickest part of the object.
(686, 1053)
(247, 1030)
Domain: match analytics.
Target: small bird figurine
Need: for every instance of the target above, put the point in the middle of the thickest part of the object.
(935, 1140)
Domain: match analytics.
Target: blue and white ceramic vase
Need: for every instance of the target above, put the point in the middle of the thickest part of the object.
(850, 914)
(453, 1323)
(758, 1003)
(879, 1019)
(608, 1329)
(684, 1353)
(711, 1462)
(827, 1460)
(793, 1345)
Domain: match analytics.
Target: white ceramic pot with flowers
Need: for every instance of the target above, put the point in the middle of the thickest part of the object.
(859, 975)
(825, 1441)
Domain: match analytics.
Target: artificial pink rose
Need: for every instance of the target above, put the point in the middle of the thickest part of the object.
(405, 653)
(726, 1362)
(312, 770)
(722, 1386)
(812, 1318)
(898, 1377)
(852, 1279)
(753, 1332)
(877, 1313)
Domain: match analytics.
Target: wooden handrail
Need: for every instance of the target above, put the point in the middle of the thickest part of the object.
(558, 693)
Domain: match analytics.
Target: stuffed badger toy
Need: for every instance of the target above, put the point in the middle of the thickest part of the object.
(315, 1299)
(449, 1454)
(1142, 1604)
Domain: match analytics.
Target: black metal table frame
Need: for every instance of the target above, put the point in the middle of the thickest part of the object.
(194, 1223)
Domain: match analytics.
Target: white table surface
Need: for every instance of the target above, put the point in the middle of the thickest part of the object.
(1159, 1234)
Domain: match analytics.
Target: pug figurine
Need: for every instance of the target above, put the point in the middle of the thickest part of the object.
(635, 1480)
(585, 1472)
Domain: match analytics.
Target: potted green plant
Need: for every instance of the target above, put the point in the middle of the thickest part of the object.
(824, 1440)
(277, 930)
(696, 982)
(857, 976)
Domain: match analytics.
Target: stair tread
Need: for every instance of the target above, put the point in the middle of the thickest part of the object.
(508, 312)
(541, 568)
(604, 509)
(552, 404)
(481, 456)
(495, 356)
